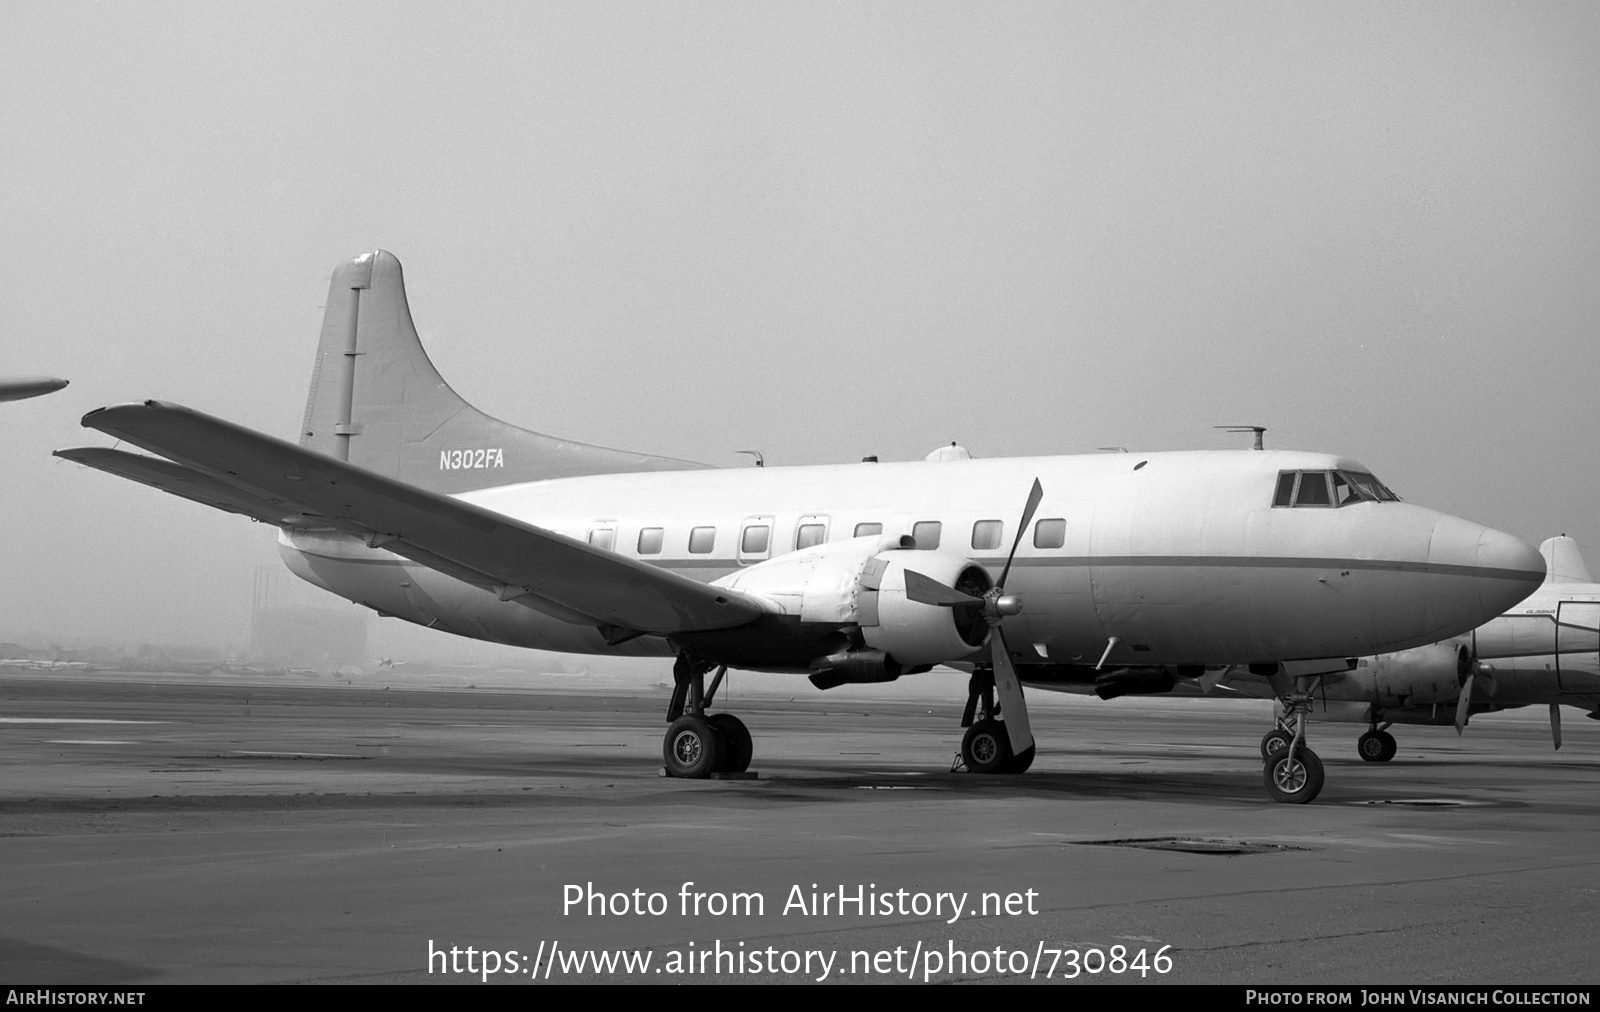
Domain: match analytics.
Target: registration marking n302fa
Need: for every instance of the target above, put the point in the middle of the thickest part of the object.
(460, 460)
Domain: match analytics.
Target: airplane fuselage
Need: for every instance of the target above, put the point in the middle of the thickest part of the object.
(1181, 556)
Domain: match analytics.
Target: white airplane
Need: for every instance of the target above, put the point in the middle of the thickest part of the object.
(1546, 650)
(22, 387)
(402, 497)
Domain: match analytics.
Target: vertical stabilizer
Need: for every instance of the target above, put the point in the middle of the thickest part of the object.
(377, 401)
(1563, 563)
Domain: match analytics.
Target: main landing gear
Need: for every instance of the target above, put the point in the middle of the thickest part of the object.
(697, 744)
(1293, 774)
(986, 747)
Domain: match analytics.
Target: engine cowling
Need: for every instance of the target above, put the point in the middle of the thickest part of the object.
(861, 583)
(1419, 677)
(914, 633)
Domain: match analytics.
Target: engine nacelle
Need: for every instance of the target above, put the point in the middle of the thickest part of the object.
(862, 583)
(1419, 677)
(914, 633)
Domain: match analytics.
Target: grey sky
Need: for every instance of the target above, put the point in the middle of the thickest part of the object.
(822, 230)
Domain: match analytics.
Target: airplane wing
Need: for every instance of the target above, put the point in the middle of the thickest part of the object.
(237, 469)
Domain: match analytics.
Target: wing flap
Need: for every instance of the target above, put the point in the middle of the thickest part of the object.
(517, 558)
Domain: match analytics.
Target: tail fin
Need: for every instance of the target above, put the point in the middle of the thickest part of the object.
(1563, 563)
(378, 402)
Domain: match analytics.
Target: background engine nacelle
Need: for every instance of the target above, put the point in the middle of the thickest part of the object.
(1419, 677)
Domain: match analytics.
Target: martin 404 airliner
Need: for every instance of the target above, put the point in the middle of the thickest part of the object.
(404, 498)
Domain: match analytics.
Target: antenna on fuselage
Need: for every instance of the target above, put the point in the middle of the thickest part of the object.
(760, 460)
(1259, 430)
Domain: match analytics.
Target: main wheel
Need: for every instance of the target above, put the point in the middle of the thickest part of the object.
(1293, 777)
(1020, 763)
(986, 748)
(1377, 746)
(738, 749)
(692, 748)
(1273, 740)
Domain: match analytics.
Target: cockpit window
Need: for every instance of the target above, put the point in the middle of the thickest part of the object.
(1285, 493)
(1313, 489)
(1343, 491)
(1369, 486)
(1329, 488)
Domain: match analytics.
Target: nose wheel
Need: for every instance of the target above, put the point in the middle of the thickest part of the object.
(1273, 740)
(1293, 776)
(1292, 773)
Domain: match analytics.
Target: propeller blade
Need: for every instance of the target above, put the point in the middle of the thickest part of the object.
(1464, 703)
(1034, 498)
(927, 590)
(1009, 687)
(1555, 724)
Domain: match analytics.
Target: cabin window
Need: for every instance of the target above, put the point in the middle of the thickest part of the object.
(926, 534)
(1051, 533)
(650, 541)
(810, 534)
(702, 540)
(754, 541)
(603, 537)
(986, 535)
(868, 530)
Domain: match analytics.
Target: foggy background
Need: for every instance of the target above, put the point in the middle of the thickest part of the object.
(819, 230)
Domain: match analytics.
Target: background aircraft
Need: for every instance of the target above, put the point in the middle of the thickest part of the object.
(22, 387)
(403, 497)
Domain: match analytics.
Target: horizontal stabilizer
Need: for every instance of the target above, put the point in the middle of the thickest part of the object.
(180, 481)
(516, 559)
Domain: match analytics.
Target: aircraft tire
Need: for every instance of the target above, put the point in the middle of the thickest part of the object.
(1273, 740)
(1020, 763)
(986, 748)
(1377, 746)
(1293, 777)
(692, 748)
(738, 749)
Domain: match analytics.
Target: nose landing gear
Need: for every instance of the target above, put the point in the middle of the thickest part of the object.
(1293, 773)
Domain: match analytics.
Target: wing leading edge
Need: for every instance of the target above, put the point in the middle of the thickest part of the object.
(229, 467)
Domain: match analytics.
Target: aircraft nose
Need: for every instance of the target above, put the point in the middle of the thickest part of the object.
(1505, 569)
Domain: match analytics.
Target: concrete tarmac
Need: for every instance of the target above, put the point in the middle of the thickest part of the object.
(211, 830)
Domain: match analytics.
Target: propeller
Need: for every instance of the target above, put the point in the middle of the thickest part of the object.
(1469, 668)
(996, 605)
